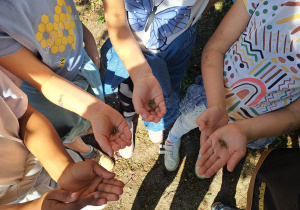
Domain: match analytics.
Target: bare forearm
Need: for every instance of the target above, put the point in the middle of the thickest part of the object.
(69, 96)
(212, 65)
(90, 46)
(55, 88)
(31, 205)
(44, 143)
(272, 124)
(123, 40)
(212, 71)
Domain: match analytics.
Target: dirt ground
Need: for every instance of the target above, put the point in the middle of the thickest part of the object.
(148, 185)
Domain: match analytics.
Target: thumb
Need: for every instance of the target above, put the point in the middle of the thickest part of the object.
(203, 138)
(62, 195)
(139, 107)
(202, 120)
(104, 144)
(102, 172)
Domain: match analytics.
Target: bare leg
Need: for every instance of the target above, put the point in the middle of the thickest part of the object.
(78, 145)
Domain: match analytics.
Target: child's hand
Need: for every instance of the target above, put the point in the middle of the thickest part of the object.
(148, 99)
(87, 177)
(64, 200)
(110, 129)
(227, 145)
(210, 120)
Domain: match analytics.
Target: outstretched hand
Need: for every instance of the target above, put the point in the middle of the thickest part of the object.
(210, 120)
(148, 99)
(110, 129)
(87, 177)
(227, 145)
(64, 200)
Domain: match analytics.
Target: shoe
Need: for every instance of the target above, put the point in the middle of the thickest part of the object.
(104, 160)
(127, 152)
(172, 154)
(156, 136)
(197, 168)
(220, 206)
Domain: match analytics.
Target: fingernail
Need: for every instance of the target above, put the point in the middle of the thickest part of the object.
(144, 115)
(96, 196)
(73, 195)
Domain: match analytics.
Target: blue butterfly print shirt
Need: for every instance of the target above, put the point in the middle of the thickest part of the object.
(157, 21)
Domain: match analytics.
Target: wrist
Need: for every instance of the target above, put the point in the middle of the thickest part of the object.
(140, 71)
(244, 129)
(66, 177)
(97, 106)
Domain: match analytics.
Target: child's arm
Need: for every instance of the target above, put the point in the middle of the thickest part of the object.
(146, 86)
(90, 46)
(227, 145)
(41, 139)
(65, 94)
(233, 24)
(59, 200)
(44, 143)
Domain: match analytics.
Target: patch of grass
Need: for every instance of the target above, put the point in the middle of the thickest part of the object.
(92, 7)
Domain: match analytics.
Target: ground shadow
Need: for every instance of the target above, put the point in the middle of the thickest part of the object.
(191, 190)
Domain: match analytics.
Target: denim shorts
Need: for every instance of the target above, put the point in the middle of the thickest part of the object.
(168, 67)
(68, 124)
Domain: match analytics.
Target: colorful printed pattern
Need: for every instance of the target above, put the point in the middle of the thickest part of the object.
(262, 69)
(142, 16)
(56, 32)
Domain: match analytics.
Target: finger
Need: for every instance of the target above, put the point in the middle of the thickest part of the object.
(113, 136)
(162, 106)
(149, 118)
(201, 163)
(234, 159)
(125, 140)
(202, 120)
(110, 189)
(203, 137)
(205, 145)
(109, 196)
(201, 124)
(209, 161)
(115, 146)
(119, 143)
(204, 157)
(93, 185)
(104, 144)
(114, 182)
(156, 119)
(93, 199)
(126, 131)
(219, 163)
(158, 113)
(62, 195)
(139, 108)
(102, 172)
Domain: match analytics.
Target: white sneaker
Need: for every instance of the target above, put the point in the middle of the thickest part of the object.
(127, 152)
(172, 154)
(156, 136)
(197, 168)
